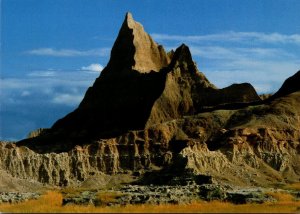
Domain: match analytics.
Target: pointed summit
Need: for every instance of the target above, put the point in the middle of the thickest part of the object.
(135, 49)
(182, 54)
(129, 20)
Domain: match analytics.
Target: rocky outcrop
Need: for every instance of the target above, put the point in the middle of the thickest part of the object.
(256, 145)
(60, 169)
(150, 111)
(179, 194)
(235, 146)
(16, 197)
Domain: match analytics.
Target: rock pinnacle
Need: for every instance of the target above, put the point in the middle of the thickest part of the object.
(135, 49)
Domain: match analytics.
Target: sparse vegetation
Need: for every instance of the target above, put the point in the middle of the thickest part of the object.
(282, 197)
(52, 202)
(294, 186)
(105, 198)
(71, 191)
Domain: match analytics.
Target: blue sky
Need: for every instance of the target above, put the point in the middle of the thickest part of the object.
(52, 50)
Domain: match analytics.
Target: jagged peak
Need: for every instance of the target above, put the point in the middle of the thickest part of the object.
(182, 57)
(135, 49)
(128, 16)
(183, 53)
(131, 23)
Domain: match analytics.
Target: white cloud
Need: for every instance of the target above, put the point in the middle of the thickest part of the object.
(213, 52)
(44, 88)
(67, 99)
(219, 52)
(263, 59)
(232, 36)
(266, 74)
(68, 52)
(42, 73)
(92, 67)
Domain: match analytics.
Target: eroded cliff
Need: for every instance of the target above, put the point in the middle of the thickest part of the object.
(225, 144)
(150, 111)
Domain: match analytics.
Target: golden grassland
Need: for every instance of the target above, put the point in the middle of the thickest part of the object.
(294, 186)
(52, 202)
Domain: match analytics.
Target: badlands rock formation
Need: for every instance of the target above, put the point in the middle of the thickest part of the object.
(156, 113)
(124, 98)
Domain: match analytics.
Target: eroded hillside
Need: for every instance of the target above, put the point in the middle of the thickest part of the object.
(155, 116)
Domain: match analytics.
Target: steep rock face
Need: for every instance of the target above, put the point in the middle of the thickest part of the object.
(182, 83)
(122, 97)
(114, 105)
(134, 49)
(187, 91)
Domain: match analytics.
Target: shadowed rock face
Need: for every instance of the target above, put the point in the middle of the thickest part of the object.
(115, 105)
(122, 97)
(133, 100)
(149, 109)
(290, 85)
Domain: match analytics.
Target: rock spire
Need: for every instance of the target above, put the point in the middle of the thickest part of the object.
(135, 49)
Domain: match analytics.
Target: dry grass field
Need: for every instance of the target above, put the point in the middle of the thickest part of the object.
(52, 202)
(294, 186)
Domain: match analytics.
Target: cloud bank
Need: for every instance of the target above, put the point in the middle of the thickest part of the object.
(39, 98)
(68, 52)
(232, 36)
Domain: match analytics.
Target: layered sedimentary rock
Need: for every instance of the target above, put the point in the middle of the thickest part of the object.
(150, 110)
(60, 169)
(224, 144)
(255, 145)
